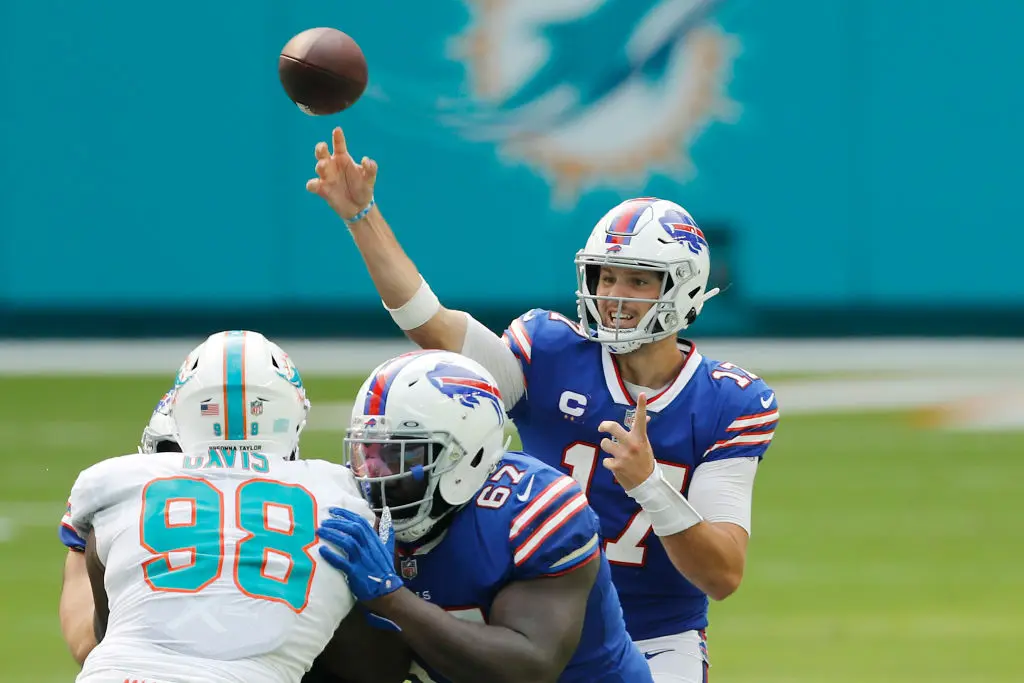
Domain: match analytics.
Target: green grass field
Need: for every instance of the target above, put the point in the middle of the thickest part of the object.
(881, 551)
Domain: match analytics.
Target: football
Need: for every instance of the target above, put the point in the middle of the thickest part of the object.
(322, 70)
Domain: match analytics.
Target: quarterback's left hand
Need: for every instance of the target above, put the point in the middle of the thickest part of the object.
(632, 459)
(366, 558)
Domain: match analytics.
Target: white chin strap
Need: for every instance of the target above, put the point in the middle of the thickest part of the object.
(710, 294)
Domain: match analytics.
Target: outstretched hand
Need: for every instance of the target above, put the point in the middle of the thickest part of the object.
(345, 185)
(364, 556)
(632, 458)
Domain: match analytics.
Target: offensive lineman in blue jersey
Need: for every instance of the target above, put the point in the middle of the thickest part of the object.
(504, 577)
(575, 387)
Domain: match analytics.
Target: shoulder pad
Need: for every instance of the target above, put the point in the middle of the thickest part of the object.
(540, 329)
(551, 527)
(93, 490)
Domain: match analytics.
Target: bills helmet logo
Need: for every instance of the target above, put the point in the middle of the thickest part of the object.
(466, 387)
(165, 403)
(683, 229)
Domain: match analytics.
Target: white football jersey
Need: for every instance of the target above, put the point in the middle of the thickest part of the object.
(212, 571)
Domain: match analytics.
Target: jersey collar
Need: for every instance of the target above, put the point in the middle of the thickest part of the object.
(617, 388)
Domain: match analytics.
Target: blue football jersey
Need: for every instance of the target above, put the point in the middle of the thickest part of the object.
(529, 521)
(713, 410)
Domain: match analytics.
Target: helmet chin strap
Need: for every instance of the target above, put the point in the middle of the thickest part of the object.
(710, 294)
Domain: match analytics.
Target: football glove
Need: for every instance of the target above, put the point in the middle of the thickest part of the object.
(365, 557)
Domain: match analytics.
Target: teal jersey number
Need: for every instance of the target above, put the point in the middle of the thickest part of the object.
(255, 500)
(165, 502)
(202, 537)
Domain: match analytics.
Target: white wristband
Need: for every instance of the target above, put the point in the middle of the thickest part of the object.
(669, 511)
(417, 310)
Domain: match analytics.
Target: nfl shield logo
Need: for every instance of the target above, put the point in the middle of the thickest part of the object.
(627, 421)
(408, 568)
(256, 407)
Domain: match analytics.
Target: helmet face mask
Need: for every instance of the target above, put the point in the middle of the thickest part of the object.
(426, 431)
(157, 442)
(400, 470)
(158, 434)
(652, 235)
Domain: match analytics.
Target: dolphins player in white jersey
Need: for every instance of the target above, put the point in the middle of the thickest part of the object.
(204, 562)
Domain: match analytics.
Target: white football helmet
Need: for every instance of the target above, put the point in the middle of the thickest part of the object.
(427, 429)
(238, 389)
(645, 234)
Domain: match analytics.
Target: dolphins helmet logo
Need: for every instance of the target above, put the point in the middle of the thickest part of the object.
(600, 93)
(289, 372)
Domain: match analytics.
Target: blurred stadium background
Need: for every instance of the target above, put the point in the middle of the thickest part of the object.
(854, 163)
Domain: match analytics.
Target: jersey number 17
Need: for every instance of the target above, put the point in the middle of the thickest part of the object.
(630, 547)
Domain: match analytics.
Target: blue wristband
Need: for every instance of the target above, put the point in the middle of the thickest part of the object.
(361, 215)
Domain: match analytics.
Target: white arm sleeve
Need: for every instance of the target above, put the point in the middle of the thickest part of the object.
(723, 490)
(487, 349)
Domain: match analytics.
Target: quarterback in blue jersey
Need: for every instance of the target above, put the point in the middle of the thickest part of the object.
(664, 441)
(500, 574)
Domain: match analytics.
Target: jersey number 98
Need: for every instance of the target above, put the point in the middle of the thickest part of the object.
(183, 526)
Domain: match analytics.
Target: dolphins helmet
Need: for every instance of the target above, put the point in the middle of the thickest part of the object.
(239, 390)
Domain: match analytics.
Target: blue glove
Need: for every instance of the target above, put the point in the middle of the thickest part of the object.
(366, 558)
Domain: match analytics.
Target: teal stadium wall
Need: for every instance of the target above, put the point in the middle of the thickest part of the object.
(856, 163)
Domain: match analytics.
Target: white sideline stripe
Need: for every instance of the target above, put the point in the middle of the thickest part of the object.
(354, 357)
(162, 357)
